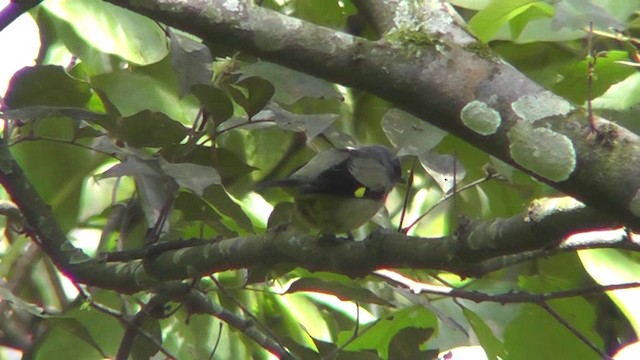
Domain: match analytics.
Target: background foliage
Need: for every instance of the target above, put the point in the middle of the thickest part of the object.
(124, 121)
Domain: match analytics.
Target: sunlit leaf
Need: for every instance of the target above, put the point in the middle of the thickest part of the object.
(492, 346)
(444, 169)
(611, 266)
(607, 71)
(290, 85)
(344, 293)
(410, 135)
(109, 28)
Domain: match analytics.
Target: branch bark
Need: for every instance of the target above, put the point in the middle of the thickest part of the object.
(465, 253)
(431, 67)
(545, 225)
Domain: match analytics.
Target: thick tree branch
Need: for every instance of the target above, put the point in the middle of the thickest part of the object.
(546, 224)
(432, 68)
(475, 244)
(14, 9)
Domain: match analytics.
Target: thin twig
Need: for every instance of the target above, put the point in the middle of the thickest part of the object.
(405, 203)
(248, 313)
(573, 330)
(449, 195)
(215, 346)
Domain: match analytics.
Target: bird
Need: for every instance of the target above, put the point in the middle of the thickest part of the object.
(339, 190)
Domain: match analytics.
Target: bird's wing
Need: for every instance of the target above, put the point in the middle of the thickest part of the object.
(369, 172)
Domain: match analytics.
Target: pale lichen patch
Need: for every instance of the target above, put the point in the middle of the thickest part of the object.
(480, 117)
(542, 151)
(538, 106)
(232, 5)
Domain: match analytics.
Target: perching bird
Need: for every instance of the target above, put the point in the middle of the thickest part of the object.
(338, 190)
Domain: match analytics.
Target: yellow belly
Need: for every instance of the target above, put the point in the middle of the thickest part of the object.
(334, 215)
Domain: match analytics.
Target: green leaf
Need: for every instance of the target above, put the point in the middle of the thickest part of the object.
(57, 171)
(77, 329)
(191, 61)
(155, 188)
(215, 101)
(312, 125)
(611, 266)
(490, 343)
(20, 305)
(150, 129)
(111, 29)
(46, 85)
(621, 96)
(343, 292)
(381, 333)
(607, 71)
(410, 135)
(79, 333)
(489, 20)
(443, 169)
(257, 93)
(195, 208)
(534, 334)
(225, 204)
(191, 176)
(143, 348)
(133, 92)
(290, 85)
(406, 344)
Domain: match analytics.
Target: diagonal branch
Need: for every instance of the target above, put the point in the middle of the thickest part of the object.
(431, 67)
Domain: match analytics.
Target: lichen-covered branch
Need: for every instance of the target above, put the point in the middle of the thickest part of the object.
(428, 65)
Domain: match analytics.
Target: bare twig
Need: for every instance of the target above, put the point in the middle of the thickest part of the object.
(448, 196)
(573, 330)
